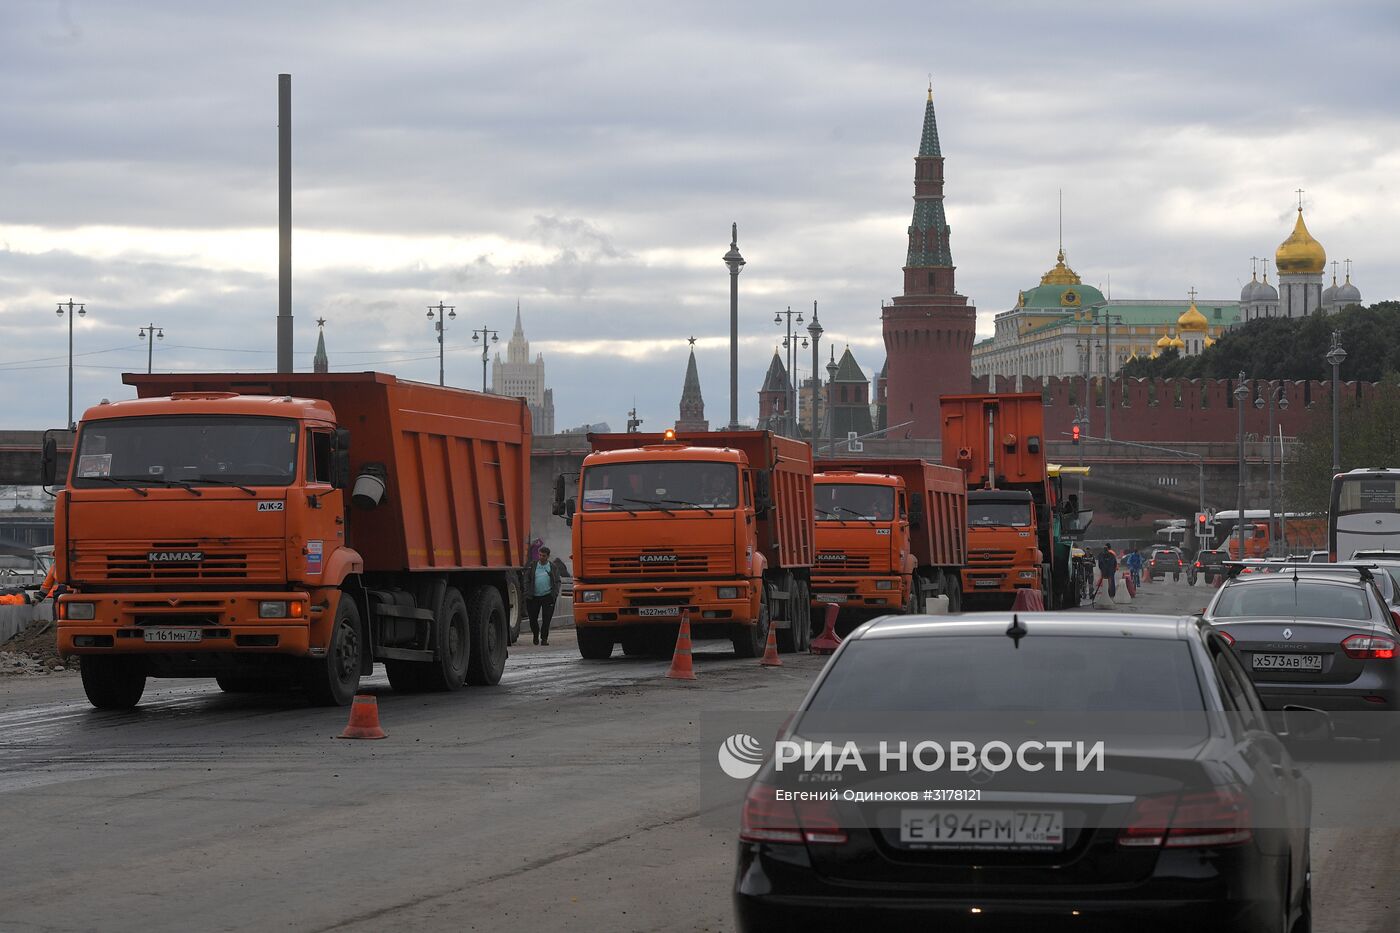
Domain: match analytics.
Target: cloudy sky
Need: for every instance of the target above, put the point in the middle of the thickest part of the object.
(587, 159)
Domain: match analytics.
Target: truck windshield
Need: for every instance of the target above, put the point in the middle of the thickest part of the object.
(1015, 514)
(843, 502)
(162, 450)
(660, 485)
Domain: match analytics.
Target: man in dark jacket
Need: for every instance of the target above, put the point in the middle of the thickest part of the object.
(1108, 567)
(542, 584)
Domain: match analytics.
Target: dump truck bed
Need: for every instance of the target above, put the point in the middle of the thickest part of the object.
(457, 463)
(1017, 449)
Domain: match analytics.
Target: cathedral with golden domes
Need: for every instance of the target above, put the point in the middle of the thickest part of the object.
(1063, 327)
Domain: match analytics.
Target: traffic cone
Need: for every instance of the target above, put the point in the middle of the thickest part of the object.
(827, 641)
(1028, 600)
(770, 652)
(1129, 585)
(681, 665)
(364, 720)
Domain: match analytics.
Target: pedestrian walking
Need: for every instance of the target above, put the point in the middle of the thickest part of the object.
(544, 582)
(1134, 562)
(1108, 567)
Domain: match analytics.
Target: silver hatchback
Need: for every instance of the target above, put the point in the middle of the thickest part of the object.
(1317, 638)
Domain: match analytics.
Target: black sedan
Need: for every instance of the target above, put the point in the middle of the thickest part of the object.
(1317, 635)
(1203, 826)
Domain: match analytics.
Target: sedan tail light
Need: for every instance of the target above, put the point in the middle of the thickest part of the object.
(1363, 647)
(1198, 565)
(1229, 639)
(1217, 817)
(768, 819)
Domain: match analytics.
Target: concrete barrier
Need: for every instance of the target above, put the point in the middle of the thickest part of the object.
(936, 605)
(15, 619)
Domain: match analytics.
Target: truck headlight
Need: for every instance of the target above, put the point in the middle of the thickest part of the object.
(590, 596)
(727, 592)
(1029, 574)
(80, 612)
(272, 609)
(884, 584)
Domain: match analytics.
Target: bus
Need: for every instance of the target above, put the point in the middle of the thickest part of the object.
(1301, 532)
(1363, 514)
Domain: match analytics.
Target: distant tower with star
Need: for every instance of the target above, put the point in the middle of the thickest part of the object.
(520, 377)
(929, 329)
(321, 363)
(692, 413)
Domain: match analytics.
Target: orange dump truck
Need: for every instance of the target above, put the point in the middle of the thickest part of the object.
(269, 528)
(891, 534)
(1020, 525)
(716, 524)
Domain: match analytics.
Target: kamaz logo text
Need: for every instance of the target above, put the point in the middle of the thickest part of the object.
(175, 557)
(657, 558)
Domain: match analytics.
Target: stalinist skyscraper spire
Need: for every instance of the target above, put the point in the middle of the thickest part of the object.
(928, 329)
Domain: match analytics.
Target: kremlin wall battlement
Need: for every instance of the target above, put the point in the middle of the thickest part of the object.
(1176, 410)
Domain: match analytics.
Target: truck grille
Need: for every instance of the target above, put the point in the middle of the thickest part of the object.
(841, 560)
(990, 557)
(678, 561)
(128, 563)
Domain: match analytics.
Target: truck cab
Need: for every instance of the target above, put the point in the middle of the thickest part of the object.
(1003, 550)
(863, 557)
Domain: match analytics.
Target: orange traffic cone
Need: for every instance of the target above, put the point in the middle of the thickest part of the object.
(681, 666)
(827, 641)
(364, 720)
(770, 651)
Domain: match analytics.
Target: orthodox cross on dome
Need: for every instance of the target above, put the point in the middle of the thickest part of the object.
(930, 86)
(1192, 292)
(1300, 199)
(1254, 267)
(1334, 272)
(1348, 265)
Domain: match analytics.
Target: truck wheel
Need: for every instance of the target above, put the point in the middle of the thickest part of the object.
(406, 676)
(515, 594)
(113, 682)
(750, 640)
(594, 644)
(797, 635)
(333, 680)
(954, 594)
(804, 639)
(452, 644)
(490, 636)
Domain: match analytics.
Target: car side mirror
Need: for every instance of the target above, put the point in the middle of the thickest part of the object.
(1304, 724)
(763, 492)
(340, 459)
(48, 460)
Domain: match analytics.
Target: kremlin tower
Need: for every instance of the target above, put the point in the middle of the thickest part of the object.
(929, 329)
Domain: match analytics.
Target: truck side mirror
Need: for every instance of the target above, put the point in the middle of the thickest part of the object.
(763, 491)
(916, 509)
(48, 460)
(340, 459)
(570, 505)
(559, 502)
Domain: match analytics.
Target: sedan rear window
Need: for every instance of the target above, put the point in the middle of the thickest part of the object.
(1289, 600)
(981, 674)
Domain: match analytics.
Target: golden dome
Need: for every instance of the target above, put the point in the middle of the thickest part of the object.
(1061, 274)
(1210, 342)
(1192, 320)
(1178, 343)
(1300, 254)
(1164, 342)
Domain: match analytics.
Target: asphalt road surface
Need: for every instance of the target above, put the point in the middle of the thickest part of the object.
(566, 798)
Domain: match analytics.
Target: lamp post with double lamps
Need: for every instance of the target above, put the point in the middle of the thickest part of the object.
(1336, 355)
(1273, 397)
(440, 314)
(151, 333)
(81, 312)
(1241, 394)
(790, 346)
(482, 334)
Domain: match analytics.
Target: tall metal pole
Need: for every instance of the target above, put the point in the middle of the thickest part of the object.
(284, 223)
(150, 333)
(1107, 379)
(487, 337)
(735, 262)
(790, 346)
(80, 312)
(1241, 393)
(815, 329)
(1336, 355)
(439, 314)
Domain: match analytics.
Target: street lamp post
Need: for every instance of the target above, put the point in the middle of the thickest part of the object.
(815, 329)
(81, 312)
(1241, 393)
(482, 334)
(1107, 319)
(735, 262)
(1274, 397)
(440, 314)
(151, 333)
(1336, 355)
(790, 347)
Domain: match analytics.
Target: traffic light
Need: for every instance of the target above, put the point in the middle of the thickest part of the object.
(1074, 434)
(1202, 524)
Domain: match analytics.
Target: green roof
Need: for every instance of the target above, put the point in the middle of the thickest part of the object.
(848, 370)
(1052, 296)
(1144, 314)
(928, 145)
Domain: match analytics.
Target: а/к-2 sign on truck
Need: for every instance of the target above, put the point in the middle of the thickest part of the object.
(269, 528)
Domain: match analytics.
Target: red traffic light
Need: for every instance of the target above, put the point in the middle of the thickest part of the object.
(1074, 434)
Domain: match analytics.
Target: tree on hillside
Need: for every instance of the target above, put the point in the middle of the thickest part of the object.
(1370, 437)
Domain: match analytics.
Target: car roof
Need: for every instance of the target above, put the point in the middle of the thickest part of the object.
(1037, 624)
